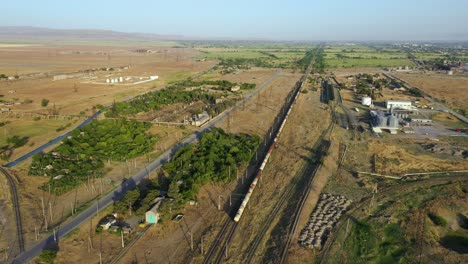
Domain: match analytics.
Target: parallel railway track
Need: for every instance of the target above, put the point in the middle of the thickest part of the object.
(220, 245)
(16, 207)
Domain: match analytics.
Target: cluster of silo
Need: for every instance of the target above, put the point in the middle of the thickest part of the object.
(326, 214)
(115, 80)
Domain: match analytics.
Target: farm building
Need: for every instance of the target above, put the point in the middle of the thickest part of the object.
(107, 222)
(201, 119)
(390, 104)
(235, 88)
(152, 216)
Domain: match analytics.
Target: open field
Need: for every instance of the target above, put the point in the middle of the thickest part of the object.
(199, 218)
(38, 132)
(276, 57)
(72, 96)
(427, 223)
(352, 56)
(452, 90)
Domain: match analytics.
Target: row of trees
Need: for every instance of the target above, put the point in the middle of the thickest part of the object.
(215, 158)
(84, 152)
(138, 200)
(174, 93)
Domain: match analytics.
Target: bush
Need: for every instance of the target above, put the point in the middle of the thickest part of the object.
(44, 102)
(17, 141)
(437, 220)
(48, 256)
(304, 91)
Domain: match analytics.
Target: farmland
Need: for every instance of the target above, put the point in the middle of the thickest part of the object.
(352, 56)
(271, 56)
(201, 180)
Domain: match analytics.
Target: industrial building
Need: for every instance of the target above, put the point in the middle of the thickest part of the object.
(382, 120)
(399, 104)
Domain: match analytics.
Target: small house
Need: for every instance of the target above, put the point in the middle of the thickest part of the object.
(152, 216)
(107, 222)
(235, 88)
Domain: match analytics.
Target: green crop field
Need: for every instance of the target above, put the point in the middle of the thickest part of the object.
(278, 55)
(348, 56)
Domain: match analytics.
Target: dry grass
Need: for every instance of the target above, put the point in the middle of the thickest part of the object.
(392, 159)
(454, 90)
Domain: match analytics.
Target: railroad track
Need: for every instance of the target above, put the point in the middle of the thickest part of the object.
(285, 196)
(219, 247)
(16, 207)
(305, 193)
(122, 253)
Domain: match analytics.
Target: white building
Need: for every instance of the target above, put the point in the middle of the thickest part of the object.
(398, 104)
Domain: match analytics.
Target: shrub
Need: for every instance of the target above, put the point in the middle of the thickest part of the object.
(437, 219)
(48, 256)
(44, 102)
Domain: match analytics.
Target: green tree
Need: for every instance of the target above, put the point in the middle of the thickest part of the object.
(48, 256)
(44, 102)
(173, 190)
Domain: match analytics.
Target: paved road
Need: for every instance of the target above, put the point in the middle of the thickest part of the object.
(108, 199)
(50, 143)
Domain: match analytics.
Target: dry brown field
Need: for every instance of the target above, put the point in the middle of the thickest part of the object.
(452, 89)
(169, 241)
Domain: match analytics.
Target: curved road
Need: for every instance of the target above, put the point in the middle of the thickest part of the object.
(50, 143)
(108, 199)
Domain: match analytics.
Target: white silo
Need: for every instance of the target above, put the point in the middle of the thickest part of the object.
(393, 122)
(121, 79)
(366, 100)
(107, 81)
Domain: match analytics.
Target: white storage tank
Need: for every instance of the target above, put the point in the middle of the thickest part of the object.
(393, 122)
(121, 79)
(366, 100)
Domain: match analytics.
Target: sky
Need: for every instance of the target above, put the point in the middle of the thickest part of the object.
(294, 20)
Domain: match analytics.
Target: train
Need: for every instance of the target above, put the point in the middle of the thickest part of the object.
(258, 175)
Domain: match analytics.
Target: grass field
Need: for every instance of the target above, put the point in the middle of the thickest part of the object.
(274, 56)
(351, 56)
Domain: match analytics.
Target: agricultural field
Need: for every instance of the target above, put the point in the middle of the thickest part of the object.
(352, 56)
(452, 90)
(273, 57)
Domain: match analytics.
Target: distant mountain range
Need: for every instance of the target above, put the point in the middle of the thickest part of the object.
(48, 34)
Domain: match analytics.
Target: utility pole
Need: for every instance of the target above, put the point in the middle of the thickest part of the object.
(44, 213)
(202, 245)
(191, 241)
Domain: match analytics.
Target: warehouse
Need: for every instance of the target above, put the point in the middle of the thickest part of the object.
(390, 104)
